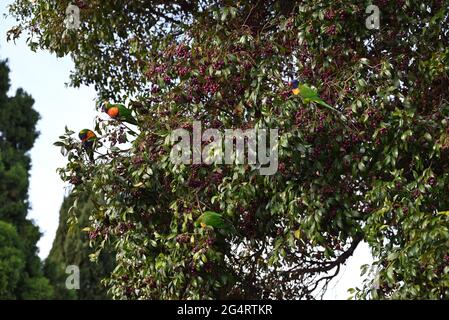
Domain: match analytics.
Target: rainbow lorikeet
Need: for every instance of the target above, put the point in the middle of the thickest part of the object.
(214, 220)
(119, 112)
(308, 94)
(88, 140)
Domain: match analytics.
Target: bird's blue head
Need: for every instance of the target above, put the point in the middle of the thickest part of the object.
(104, 106)
(83, 134)
(294, 84)
(86, 134)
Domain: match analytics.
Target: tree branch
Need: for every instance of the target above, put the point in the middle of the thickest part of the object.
(295, 274)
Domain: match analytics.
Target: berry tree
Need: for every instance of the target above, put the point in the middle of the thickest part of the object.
(377, 173)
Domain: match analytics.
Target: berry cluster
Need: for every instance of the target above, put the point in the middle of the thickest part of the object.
(123, 227)
(183, 238)
(182, 51)
(248, 224)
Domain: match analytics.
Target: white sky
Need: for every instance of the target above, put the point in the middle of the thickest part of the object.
(44, 76)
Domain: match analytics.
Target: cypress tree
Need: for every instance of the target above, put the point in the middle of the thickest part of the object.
(71, 247)
(21, 274)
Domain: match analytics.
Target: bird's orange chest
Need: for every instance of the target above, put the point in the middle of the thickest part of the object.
(89, 135)
(113, 112)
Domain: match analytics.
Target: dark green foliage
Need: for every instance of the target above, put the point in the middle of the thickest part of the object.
(109, 36)
(21, 271)
(12, 262)
(71, 247)
(380, 176)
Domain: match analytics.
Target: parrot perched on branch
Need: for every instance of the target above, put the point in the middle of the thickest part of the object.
(308, 94)
(215, 220)
(88, 140)
(119, 112)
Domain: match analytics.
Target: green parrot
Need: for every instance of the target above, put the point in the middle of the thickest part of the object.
(215, 220)
(309, 94)
(89, 141)
(119, 112)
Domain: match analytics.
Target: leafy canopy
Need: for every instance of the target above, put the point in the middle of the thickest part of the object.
(380, 176)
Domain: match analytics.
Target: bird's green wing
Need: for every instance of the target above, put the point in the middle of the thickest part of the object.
(125, 114)
(215, 220)
(311, 95)
(307, 92)
(212, 219)
(324, 104)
